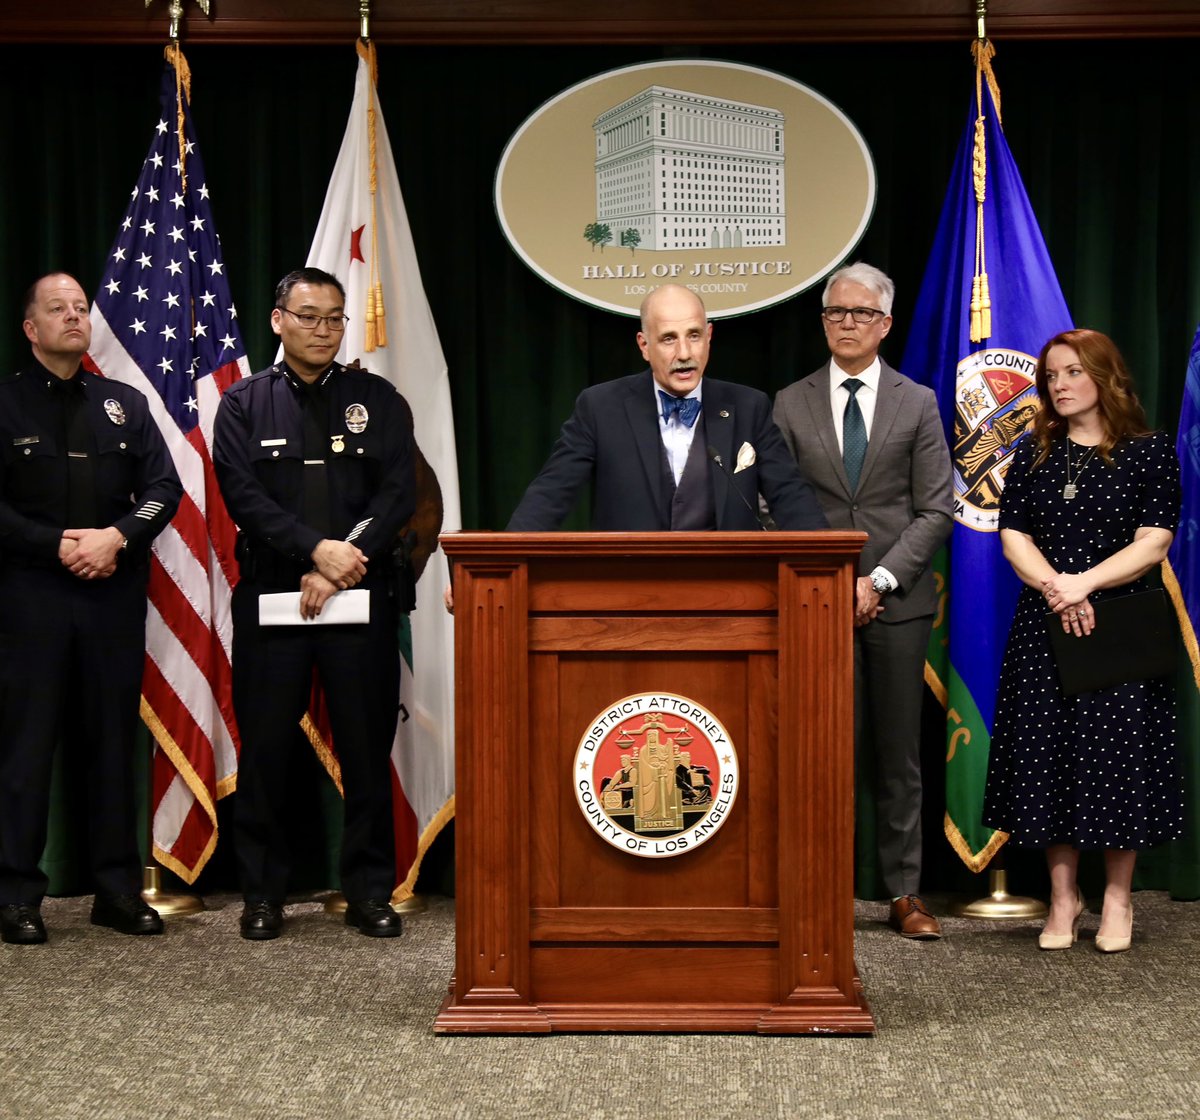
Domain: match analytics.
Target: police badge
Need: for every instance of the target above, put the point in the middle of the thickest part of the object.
(115, 412)
(356, 418)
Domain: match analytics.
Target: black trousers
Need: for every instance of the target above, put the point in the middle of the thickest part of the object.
(889, 675)
(71, 659)
(359, 670)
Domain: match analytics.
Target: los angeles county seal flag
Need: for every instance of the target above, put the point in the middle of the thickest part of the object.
(988, 302)
(1179, 861)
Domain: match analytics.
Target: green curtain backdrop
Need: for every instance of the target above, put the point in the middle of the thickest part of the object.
(1107, 136)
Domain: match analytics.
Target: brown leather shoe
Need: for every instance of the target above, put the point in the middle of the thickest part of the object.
(912, 918)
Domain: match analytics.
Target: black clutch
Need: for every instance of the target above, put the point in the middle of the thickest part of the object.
(1134, 639)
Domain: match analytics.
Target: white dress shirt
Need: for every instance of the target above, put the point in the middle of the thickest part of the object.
(839, 396)
(676, 436)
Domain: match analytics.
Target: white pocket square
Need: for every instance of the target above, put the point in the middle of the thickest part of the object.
(745, 458)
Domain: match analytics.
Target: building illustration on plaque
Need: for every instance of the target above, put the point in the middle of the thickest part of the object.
(657, 781)
(678, 170)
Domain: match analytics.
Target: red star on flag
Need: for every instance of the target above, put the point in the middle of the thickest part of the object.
(356, 244)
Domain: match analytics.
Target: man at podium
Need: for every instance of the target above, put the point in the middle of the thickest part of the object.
(667, 448)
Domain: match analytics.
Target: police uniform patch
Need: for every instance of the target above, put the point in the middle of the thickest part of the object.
(114, 410)
(356, 418)
(655, 775)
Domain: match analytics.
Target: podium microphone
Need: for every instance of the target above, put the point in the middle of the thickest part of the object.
(715, 456)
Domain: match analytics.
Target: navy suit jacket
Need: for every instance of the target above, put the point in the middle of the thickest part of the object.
(612, 439)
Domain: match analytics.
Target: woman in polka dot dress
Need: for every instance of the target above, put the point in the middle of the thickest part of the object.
(1090, 506)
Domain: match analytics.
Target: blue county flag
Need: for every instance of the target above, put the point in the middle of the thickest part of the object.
(989, 261)
(363, 238)
(1177, 869)
(164, 322)
(1183, 568)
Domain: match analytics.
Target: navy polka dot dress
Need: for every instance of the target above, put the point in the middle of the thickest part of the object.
(1101, 769)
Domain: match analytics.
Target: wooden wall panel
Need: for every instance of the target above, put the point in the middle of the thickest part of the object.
(281, 22)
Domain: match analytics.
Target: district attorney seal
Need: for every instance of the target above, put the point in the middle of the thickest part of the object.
(655, 775)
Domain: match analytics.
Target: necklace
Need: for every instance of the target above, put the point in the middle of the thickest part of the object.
(1071, 489)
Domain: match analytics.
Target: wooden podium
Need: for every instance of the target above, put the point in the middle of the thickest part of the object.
(558, 930)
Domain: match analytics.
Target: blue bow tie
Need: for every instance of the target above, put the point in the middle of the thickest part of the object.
(686, 408)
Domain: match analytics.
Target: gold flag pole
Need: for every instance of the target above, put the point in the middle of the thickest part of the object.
(999, 905)
(170, 904)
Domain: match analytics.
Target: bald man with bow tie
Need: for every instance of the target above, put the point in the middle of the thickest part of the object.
(668, 448)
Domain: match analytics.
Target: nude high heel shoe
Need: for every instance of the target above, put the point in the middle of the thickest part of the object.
(1116, 944)
(1065, 940)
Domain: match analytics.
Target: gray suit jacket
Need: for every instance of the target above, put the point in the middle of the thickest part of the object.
(904, 496)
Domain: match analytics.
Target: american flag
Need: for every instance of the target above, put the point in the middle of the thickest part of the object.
(164, 321)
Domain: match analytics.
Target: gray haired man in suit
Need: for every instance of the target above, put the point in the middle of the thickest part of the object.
(871, 444)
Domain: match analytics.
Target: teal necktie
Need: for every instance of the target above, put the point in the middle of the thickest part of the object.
(854, 434)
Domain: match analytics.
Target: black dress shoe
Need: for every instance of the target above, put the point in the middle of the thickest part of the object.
(21, 925)
(261, 920)
(373, 917)
(126, 913)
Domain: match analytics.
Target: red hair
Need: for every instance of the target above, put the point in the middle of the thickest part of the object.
(1121, 413)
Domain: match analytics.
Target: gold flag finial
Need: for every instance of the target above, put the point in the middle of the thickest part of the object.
(175, 11)
(364, 19)
(980, 19)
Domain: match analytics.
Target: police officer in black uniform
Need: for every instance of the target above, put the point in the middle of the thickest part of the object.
(315, 462)
(86, 484)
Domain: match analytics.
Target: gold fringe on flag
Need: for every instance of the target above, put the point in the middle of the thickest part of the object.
(376, 314)
(1190, 643)
(981, 300)
(173, 53)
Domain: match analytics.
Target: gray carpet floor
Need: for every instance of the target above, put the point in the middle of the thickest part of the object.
(324, 1022)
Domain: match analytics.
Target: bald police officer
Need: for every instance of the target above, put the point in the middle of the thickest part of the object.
(86, 484)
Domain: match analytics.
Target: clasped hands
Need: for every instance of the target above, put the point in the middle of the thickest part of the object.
(90, 553)
(868, 603)
(1067, 596)
(338, 565)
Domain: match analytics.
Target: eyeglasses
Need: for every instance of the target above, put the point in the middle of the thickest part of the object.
(860, 314)
(311, 322)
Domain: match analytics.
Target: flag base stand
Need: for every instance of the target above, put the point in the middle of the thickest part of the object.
(1000, 905)
(414, 904)
(167, 904)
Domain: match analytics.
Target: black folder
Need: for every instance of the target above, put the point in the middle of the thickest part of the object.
(1134, 639)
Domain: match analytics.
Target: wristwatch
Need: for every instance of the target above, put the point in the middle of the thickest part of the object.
(880, 582)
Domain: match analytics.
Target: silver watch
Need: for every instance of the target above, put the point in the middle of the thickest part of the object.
(880, 582)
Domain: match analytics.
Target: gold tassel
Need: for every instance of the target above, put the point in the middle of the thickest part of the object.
(173, 53)
(369, 339)
(985, 308)
(380, 316)
(376, 327)
(981, 303)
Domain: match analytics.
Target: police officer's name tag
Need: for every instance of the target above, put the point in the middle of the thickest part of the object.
(282, 608)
